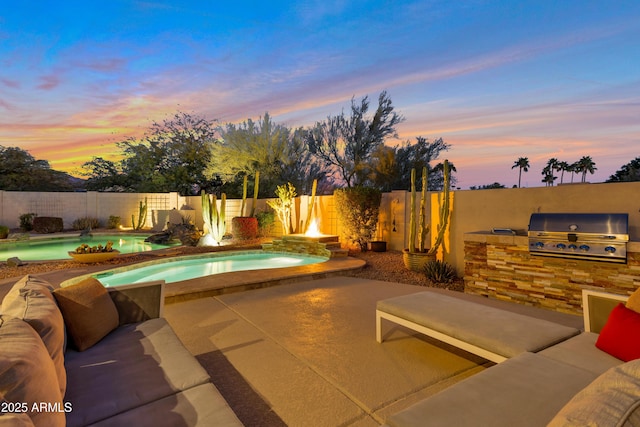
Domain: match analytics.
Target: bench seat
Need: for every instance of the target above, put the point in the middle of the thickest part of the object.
(488, 332)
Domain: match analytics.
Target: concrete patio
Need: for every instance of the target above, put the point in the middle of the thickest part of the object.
(305, 354)
(287, 350)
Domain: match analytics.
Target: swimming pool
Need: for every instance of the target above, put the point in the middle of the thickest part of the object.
(194, 266)
(47, 249)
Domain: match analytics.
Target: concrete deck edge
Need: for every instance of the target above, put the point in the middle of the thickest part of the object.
(225, 283)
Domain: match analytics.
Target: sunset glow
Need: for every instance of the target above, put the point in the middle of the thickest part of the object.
(496, 80)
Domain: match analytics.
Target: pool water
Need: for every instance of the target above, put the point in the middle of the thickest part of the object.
(194, 266)
(57, 248)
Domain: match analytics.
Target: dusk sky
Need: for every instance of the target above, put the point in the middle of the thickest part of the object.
(497, 80)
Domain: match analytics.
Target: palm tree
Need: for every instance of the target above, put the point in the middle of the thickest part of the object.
(552, 165)
(586, 165)
(574, 168)
(523, 164)
(548, 178)
(563, 167)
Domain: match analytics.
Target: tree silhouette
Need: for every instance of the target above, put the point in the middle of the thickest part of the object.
(523, 164)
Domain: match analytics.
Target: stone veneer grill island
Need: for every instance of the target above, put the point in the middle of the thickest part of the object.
(502, 267)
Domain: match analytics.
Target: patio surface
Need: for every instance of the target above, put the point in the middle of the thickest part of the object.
(305, 354)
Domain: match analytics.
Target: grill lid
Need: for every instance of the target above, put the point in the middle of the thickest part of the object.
(579, 223)
(601, 237)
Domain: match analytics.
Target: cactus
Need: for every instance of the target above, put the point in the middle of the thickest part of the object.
(256, 185)
(413, 228)
(412, 217)
(244, 194)
(424, 227)
(311, 204)
(444, 210)
(142, 216)
(214, 219)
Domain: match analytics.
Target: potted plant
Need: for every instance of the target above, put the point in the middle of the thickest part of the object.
(415, 258)
(379, 245)
(89, 254)
(246, 227)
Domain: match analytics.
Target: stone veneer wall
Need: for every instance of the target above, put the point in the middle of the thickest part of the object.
(507, 271)
(299, 245)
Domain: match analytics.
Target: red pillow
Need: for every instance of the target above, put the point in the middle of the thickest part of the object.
(620, 336)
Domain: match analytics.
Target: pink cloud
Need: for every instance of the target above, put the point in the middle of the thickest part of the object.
(49, 82)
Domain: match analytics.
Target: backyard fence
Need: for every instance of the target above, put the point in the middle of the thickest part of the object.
(473, 210)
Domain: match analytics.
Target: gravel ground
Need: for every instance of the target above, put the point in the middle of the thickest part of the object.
(386, 266)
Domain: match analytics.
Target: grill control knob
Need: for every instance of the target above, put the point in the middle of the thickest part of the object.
(573, 247)
(539, 245)
(561, 246)
(584, 248)
(610, 249)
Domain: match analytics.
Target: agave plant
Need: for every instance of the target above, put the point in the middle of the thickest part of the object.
(439, 271)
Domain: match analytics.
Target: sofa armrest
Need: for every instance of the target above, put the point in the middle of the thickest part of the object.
(139, 301)
(596, 307)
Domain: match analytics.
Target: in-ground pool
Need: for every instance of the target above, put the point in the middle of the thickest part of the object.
(57, 248)
(194, 266)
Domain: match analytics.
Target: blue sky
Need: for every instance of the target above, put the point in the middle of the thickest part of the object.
(496, 79)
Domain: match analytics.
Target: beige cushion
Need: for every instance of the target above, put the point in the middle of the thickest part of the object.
(27, 373)
(88, 312)
(633, 303)
(31, 300)
(612, 399)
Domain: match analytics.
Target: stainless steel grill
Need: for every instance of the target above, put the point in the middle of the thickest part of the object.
(598, 237)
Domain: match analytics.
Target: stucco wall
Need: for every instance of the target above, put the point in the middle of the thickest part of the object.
(473, 210)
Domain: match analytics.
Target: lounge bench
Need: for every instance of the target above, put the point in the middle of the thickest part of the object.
(491, 333)
(571, 383)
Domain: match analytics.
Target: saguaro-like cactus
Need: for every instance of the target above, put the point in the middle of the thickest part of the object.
(142, 216)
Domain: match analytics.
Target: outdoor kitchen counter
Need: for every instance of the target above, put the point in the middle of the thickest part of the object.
(520, 239)
(500, 266)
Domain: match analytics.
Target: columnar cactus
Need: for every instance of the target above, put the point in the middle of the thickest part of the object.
(312, 203)
(256, 185)
(444, 209)
(413, 228)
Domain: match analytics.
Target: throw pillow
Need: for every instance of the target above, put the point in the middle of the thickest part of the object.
(88, 312)
(633, 303)
(31, 300)
(612, 399)
(620, 336)
(27, 373)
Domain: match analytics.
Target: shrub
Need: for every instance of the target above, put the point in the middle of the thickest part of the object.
(113, 222)
(4, 231)
(439, 271)
(84, 223)
(266, 219)
(357, 209)
(26, 221)
(47, 224)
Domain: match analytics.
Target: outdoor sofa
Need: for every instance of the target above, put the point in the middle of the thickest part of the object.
(84, 355)
(588, 378)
